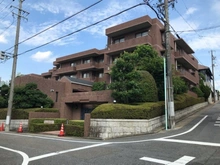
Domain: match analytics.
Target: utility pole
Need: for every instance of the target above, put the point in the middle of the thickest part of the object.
(163, 15)
(11, 95)
(170, 100)
(213, 80)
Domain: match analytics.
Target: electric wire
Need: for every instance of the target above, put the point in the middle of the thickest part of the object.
(86, 27)
(55, 24)
(7, 28)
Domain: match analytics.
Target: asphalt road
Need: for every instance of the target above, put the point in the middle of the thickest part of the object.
(196, 141)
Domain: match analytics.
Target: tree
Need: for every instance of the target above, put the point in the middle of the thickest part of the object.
(98, 86)
(128, 85)
(4, 96)
(179, 85)
(29, 96)
(148, 60)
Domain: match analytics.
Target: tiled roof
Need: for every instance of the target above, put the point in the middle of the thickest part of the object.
(79, 81)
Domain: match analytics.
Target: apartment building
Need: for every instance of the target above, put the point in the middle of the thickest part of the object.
(94, 65)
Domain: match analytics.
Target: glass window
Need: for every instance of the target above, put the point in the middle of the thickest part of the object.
(73, 64)
(119, 40)
(86, 61)
(100, 75)
(85, 75)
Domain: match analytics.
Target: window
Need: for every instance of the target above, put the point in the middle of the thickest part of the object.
(56, 97)
(73, 76)
(85, 75)
(73, 64)
(119, 40)
(86, 61)
(141, 34)
(100, 75)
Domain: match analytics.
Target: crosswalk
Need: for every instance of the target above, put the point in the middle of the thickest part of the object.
(217, 122)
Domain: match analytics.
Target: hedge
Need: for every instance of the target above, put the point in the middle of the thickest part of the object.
(16, 114)
(141, 111)
(24, 113)
(73, 128)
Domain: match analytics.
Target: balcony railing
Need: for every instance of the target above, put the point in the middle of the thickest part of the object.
(186, 60)
(92, 65)
(188, 76)
(129, 44)
(65, 70)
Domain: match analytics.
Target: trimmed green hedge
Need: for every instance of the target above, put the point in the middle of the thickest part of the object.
(74, 128)
(141, 111)
(47, 110)
(16, 114)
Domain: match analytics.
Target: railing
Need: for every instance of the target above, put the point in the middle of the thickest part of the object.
(129, 43)
(185, 58)
(65, 70)
(187, 75)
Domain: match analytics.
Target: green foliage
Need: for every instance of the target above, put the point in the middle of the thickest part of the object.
(98, 86)
(179, 85)
(74, 130)
(185, 100)
(198, 91)
(4, 93)
(29, 96)
(149, 60)
(76, 122)
(15, 114)
(125, 111)
(130, 85)
(202, 76)
(206, 90)
(46, 110)
(141, 111)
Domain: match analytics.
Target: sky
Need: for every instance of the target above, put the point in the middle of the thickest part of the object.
(196, 21)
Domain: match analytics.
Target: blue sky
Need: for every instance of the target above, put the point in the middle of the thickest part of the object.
(188, 18)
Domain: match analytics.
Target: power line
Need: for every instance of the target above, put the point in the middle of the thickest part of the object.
(6, 6)
(202, 29)
(7, 28)
(56, 24)
(82, 28)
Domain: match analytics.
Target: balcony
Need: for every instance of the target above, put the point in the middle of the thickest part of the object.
(92, 65)
(186, 60)
(46, 74)
(128, 44)
(187, 76)
(65, 70)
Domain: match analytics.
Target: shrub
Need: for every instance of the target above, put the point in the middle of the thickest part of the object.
(15, 114)
(76, 122)
(98, 86)
(46, 110)
(179, 85)
(74, 130)
(198, 91)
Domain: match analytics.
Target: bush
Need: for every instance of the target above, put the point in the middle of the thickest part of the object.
(141, 111)
(74, 130)
(15, 114)
(37, 124)
(98, 86)
(46, 110)
(198, 91)
(76, 122)
(179, 85)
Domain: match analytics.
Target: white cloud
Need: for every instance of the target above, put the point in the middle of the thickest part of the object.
(191, 10)
(210, 41)
(43, 56)
(216, 6)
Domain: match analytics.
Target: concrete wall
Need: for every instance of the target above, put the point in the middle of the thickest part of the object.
(15, 124)
(112, 128)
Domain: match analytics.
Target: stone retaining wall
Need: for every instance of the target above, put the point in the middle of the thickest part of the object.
(15, 124)
(112, 128)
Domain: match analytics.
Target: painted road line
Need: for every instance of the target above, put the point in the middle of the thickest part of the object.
(66, 151)
(155, 160)
(182, 161)
(190, 130)
(217, 125)
(189, 142)
(24, 155)
(218, 118)
(217, 121)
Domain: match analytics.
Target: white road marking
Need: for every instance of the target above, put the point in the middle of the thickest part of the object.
(217, 125)
(182, 161)
(189, 142)
(218, 118)
(66, 151)
(24, 155)
(190, 130)
(217, 122)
